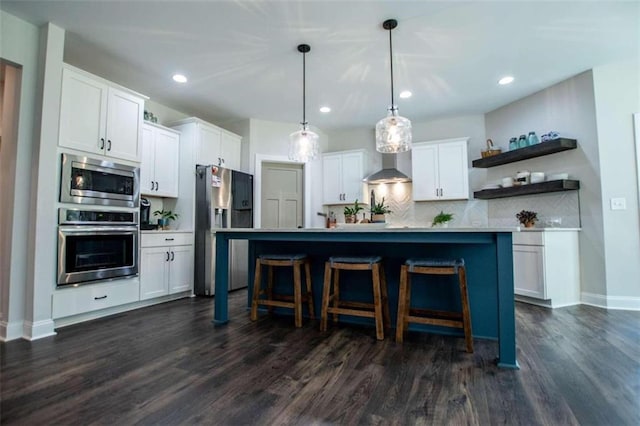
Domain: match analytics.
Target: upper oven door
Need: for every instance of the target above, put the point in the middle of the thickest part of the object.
(89, 181)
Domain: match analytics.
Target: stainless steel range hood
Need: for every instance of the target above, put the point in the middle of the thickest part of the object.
(389, 172)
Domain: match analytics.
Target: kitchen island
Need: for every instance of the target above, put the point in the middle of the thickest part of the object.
(487, 253)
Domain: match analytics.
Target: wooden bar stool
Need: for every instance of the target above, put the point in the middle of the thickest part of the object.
(406, 314)
(379, 309)
(280, 300)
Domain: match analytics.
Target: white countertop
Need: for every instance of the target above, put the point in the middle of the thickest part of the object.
(168, 231)
(366, 228)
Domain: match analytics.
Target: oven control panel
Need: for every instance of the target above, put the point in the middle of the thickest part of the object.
(96, 217)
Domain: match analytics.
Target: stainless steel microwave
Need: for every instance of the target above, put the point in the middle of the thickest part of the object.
(98, 182)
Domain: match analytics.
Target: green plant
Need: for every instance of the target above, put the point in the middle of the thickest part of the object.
(352, 211)
(166, 214)
(526, 217)
(441, 218)
(380, 208)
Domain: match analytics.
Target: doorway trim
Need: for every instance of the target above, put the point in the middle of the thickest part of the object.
(257, 179)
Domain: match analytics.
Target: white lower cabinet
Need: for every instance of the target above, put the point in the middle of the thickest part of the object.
(546, 267)
(93, 297)
(166, 264)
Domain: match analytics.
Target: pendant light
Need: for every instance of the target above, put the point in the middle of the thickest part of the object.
(393, 133)
(303, 144)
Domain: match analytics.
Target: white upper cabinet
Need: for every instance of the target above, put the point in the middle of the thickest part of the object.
(99, 118)
(210, 144)
(440, 170)
(342, 177)
(230, 145)
(160, 161)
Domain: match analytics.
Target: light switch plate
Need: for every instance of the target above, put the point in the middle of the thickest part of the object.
(618, 204)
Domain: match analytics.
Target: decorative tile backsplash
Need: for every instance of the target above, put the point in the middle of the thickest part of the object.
(560, 209)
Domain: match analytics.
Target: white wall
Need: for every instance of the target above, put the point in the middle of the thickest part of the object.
(19, 44)
(617, 97)
(595, 108)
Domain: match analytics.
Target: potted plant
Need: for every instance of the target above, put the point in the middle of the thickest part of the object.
(378, 210)
(442, 219)
(527, 218)
(350, 213)
(165, 217)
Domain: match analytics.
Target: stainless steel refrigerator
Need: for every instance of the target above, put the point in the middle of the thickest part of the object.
(223, 199)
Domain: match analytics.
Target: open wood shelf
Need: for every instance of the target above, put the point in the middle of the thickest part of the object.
(533, 188)
(538, 150)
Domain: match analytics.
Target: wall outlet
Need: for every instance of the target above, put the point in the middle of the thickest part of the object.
(618, 204)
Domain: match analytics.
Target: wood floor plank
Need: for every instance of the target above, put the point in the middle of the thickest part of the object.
(168, 364)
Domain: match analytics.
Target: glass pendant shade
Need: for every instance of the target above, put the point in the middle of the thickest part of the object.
(393, 133)
(303, 145)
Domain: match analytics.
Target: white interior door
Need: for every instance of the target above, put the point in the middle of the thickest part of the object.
(282, 195)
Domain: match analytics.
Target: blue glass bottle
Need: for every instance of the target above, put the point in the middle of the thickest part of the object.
(522, 141)
(532, 139)
(513, 144)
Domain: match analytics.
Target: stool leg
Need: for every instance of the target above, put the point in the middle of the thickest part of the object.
(336, 293)
(270, 286)
(385, 299)
(407, 302)
(402, 303)
(377, 304)
(297, 296)
(307, 272)
(326, 287)
(256, 291)
(466, 314)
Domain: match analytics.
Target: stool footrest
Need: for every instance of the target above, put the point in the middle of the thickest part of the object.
(277, 303)
(436, 321)
(354, 312)
(433, 313)
(351, 304)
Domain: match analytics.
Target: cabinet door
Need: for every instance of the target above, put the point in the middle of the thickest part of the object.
(230, 151)
(147, 161)
(181, 269)
(424, 172)
(167, 153)
(528, 271)
(209, 146)
(352, 170)
(83, 110)
(124, 125)
(332, 179)
(154, 272)
(453, 171)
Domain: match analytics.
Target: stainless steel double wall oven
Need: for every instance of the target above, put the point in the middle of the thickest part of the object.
(97, 244)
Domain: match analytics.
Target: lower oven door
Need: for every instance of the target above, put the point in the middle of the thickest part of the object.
(90, 253)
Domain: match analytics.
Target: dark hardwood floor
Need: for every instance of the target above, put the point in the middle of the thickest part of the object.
(167, 364)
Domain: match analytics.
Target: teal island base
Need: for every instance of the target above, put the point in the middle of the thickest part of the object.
(487, 254)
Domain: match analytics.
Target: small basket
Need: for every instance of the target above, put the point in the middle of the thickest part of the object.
(490, 150)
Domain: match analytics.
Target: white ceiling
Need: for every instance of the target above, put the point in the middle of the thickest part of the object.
(241, 58)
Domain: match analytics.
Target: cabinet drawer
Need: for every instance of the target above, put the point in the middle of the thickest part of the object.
(73, 301)
(163, 239)
(529, 238)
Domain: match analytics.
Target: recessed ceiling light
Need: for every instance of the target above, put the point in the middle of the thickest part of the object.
(505, 80)
(325, 109)
(179, 78)
(405, 94)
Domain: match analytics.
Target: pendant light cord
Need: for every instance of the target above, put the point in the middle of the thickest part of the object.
(304, 89)
(391, 65)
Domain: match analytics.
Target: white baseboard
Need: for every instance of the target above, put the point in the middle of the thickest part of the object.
(611, 302)
(10, 331)
(38, 330)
